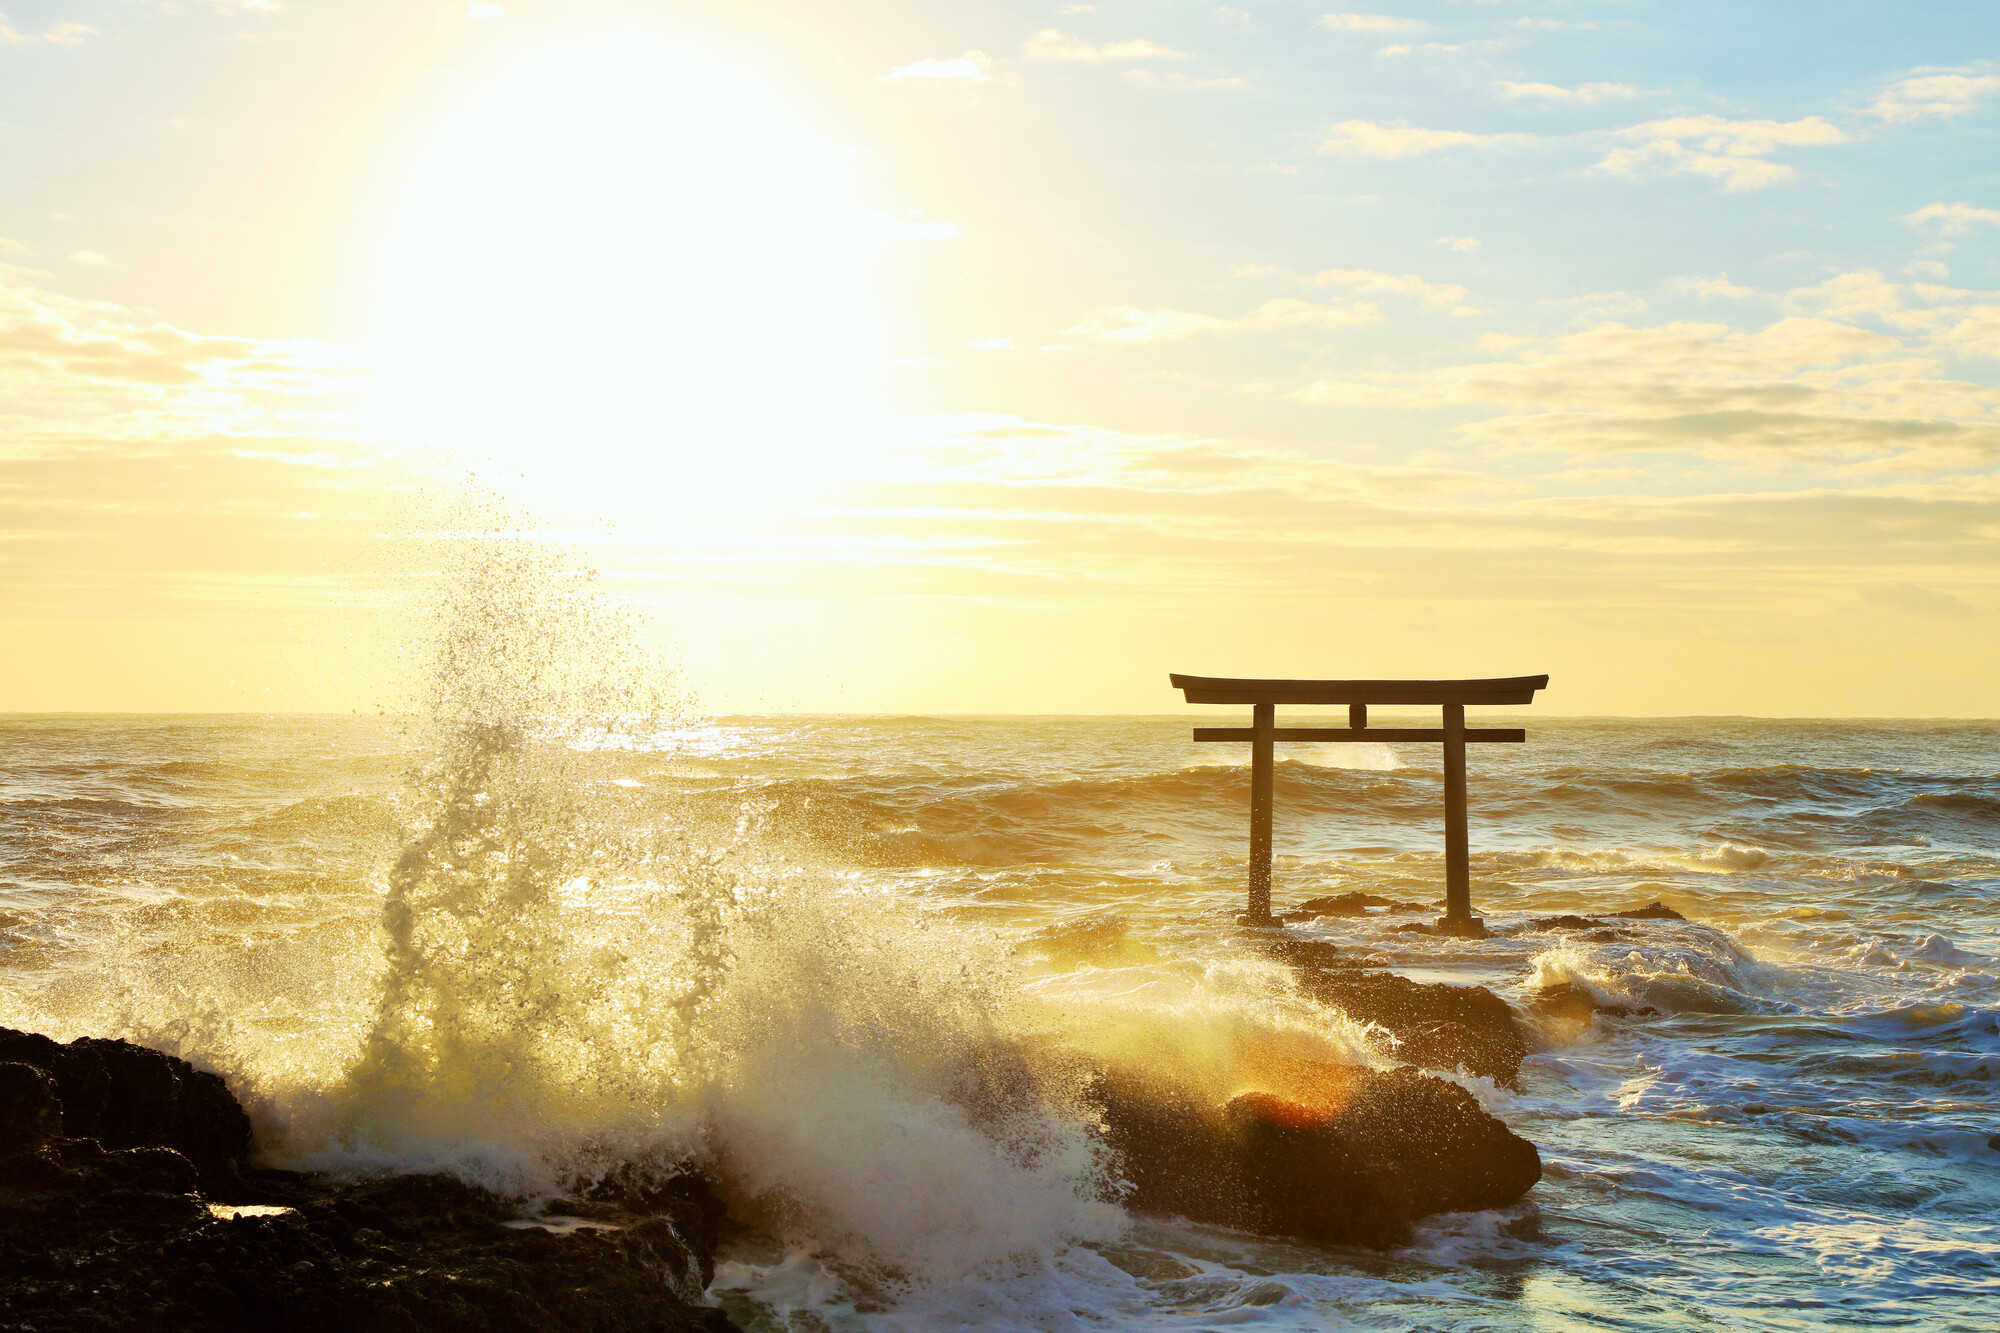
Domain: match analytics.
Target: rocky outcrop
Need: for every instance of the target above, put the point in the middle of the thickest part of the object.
(1577, 1004)
(1435, 1025)
(151, 1218)
(1652, 911)
(1348, 904)
(122, 1096)
(1356, 1162)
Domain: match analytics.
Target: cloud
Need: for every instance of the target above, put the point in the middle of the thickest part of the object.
(1179, 82)
(1913, 600)
(1459, 242)
(1367, 23)
(1734, 152)
(1128, 324)
(61, 34)
(483, 9)
(1945, 94)
(1720, 285)
(1810, 388)
(991, 344)
(91, 259)
(1051, 44)
(1366, 281)
(1587, 94)
(1371, 139)
(1952, 219)
(973, 66)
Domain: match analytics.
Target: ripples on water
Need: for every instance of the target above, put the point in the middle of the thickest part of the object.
(1803, 1137)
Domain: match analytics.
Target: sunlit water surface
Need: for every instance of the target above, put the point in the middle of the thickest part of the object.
(1803, 1137)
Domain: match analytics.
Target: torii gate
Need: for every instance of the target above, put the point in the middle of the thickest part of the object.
(1264, 696)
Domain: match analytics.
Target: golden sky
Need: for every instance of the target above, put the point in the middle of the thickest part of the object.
(1004, 357)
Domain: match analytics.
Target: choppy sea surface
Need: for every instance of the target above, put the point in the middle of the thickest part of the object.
(777, 944)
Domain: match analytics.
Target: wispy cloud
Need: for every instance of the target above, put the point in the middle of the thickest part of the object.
(1585, 94)
(1053, 44)
(1459, 242)
(973, 66)
(1952, 219)
(1176, 80)
(1941, 93)
(1720, 285)
(1369, 282)
(59, 34)
(1370, 23)
(1916, 601)
(1734, 152)
(1385, 142)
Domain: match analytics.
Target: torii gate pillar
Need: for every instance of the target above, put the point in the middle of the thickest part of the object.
(1264, 696)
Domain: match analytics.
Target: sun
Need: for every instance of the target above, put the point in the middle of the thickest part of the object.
(623, 270)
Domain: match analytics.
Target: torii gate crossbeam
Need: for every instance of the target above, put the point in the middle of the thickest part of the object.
(1264, 696)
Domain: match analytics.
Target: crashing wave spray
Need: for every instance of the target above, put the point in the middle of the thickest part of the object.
(574, 986)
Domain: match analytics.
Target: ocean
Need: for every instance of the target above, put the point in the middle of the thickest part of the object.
(526, 951)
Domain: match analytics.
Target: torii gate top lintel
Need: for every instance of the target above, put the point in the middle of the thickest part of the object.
(1451, 695)
(1225, 690)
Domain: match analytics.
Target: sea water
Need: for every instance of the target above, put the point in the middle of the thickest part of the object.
(797, 949)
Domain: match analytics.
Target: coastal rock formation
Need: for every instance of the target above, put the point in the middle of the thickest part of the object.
(1435, 1025)
(1652, 911)
(1348, 904)
(126, 1203)
(1356, 1162)
(1576, 1004)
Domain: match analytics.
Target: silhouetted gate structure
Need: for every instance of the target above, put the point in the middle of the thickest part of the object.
(1264, 696)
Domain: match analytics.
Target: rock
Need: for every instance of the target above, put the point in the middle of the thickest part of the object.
(1348, 904)
(1565, 922)
(1569, 1001)
(30, 1110)
(126, 1096)
(1435, 1025)
(1652, 911)
(168, 1235)
(1366, 1156)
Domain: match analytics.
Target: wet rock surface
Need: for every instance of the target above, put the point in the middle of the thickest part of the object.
(1577, 1004)
(1652, 911)
(1349, 904)
(126, 1202)
(1355, 1161)
(1435, 1025)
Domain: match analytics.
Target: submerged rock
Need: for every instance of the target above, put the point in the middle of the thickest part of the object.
(1435, 1025)
(150, 1218)
(1355, 1162)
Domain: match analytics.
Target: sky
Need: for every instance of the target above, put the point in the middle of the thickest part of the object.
(1004, 357)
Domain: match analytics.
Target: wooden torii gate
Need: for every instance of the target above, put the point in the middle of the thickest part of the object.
(1264, 696)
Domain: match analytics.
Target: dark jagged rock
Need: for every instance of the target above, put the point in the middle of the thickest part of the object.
(169, 1234)
(1564, 922)
(1569, 1001)
(1348, 904)
(1652, 911)
(125, 1096)
(1435, 1025)
(1360, 1160)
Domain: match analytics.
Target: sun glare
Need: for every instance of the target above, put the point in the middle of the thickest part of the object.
(624, 269)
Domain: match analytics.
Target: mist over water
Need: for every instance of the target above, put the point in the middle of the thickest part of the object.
(562, 926)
